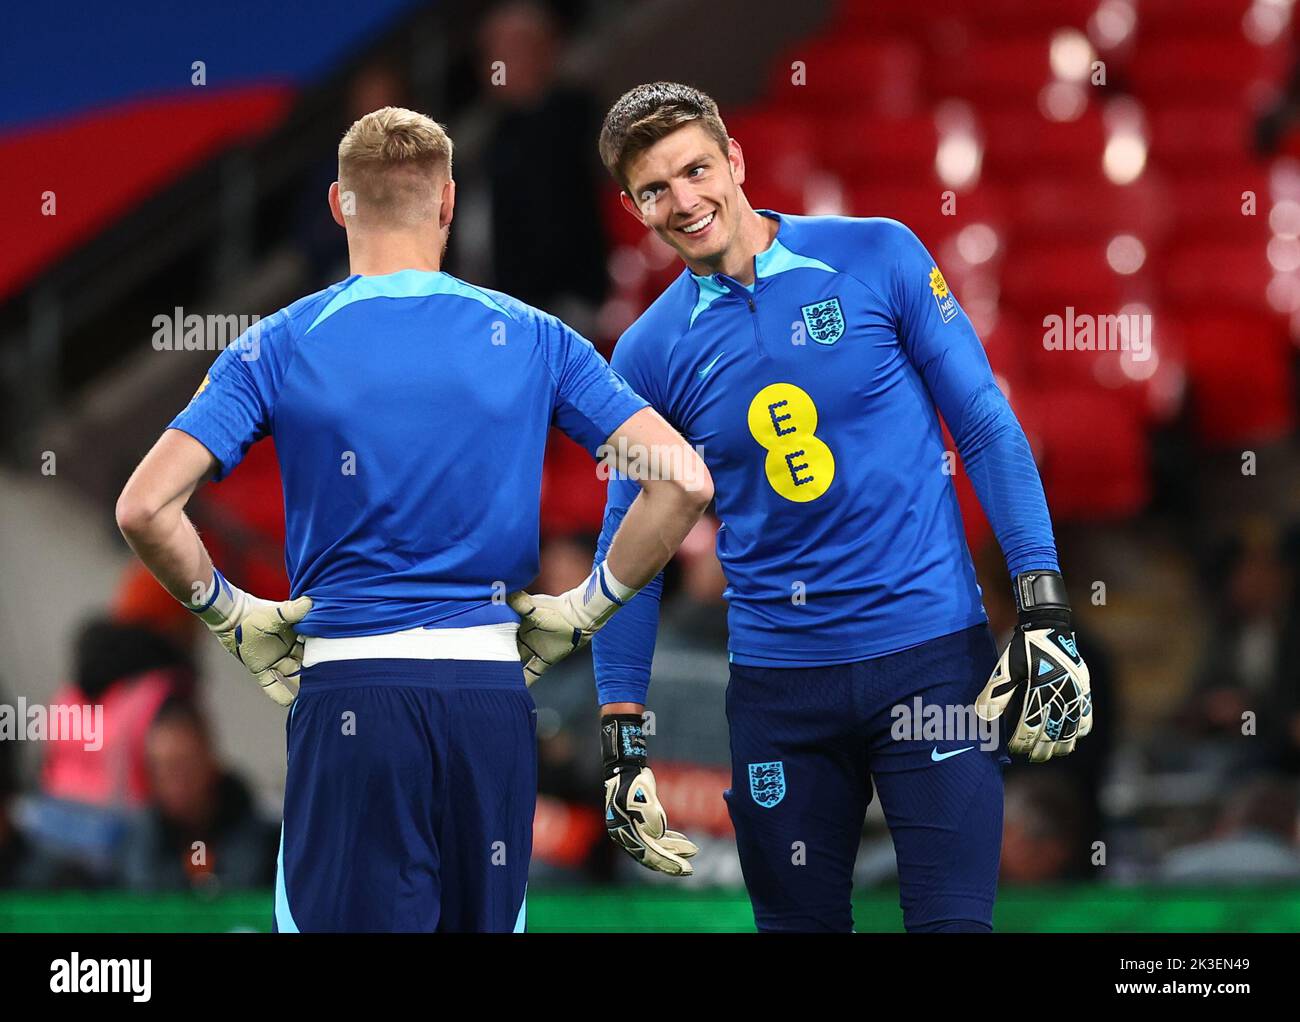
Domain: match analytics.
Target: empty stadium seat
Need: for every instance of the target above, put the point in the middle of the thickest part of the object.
(1240, 373)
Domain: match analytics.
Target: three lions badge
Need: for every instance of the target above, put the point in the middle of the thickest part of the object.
(824, 320)
(767, 783)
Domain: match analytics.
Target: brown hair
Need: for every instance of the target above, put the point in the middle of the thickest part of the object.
(392, 161)
(647, 113)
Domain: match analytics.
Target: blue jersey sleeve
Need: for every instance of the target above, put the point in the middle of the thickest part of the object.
(591, 399)
(233, 407)
(623, 650)
(944, 348)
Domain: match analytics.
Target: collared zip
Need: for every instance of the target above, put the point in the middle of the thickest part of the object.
(739, 289)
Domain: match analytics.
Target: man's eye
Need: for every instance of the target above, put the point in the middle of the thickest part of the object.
(695, 171)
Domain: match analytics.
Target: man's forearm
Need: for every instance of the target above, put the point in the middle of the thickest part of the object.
(169, 546)
(650, 533)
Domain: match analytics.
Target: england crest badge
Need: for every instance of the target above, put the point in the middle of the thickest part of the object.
(824, 320)
(767, 783)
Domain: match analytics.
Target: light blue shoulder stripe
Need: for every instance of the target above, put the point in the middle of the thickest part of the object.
(710, 292)
(776, 258)
(403, 284)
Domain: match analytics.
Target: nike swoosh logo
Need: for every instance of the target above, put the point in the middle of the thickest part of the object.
(939, 757)
(705, 371)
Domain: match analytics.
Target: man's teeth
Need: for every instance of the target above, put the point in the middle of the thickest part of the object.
(699, 225)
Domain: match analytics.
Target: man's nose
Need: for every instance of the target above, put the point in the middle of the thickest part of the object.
(684, 199)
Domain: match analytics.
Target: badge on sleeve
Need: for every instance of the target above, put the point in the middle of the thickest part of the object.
(942, 296)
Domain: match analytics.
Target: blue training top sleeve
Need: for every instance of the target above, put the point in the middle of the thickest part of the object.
(234, 405)
(591, 399)
(943, 346)
(623, 650)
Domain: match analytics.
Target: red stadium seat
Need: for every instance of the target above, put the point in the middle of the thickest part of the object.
(993, 69)
(1042, 279)
(877, 147)
(779, 155)
(1093, 454)
(1217, 274)
(1213, 69)
(1211, 209)
(1240, 371)
(1021, 143)
(1202, 138)
(881, 75)
(918, 205)
(1088, 208)
(1163, 19)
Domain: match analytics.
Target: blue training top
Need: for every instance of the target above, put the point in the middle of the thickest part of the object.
(410, 413)
(813, 396)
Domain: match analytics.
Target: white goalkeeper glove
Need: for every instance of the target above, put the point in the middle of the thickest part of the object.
(258, 633)
(1042, 670)
(552, 627)
(634, 817)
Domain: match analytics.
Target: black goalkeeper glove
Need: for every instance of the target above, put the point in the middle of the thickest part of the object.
(1042, 671)
(634, 817)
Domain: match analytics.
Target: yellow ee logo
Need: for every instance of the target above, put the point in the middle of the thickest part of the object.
(783, 419)
(938, 286)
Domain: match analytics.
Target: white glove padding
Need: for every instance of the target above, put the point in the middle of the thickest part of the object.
(552, 627)
(1042, 666)
(260, 635)
(636, 821)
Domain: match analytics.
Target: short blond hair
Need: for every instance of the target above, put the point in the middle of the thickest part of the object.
(394, 161)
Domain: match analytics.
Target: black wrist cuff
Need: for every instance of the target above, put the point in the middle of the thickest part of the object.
(1041, 596)
(622, 740)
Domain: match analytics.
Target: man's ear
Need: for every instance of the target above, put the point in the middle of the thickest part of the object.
(336, 208)
(631, 207)
(447, 204)
(737, 160)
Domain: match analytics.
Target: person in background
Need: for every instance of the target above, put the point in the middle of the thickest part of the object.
(1252, 842)
(1042, 830)
(130, 670)
(548, 246)
(202, 830)
(1246, 661)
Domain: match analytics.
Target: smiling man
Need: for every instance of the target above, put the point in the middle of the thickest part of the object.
(809, 359)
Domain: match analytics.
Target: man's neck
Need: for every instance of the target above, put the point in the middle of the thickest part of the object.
(371, 258)
(756, 235)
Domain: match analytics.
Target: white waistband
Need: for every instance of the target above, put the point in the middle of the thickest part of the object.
(479, 642)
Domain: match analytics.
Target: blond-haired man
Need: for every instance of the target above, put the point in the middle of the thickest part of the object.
(409, 411)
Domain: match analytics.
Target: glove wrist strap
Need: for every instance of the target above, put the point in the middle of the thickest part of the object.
(219, 604)
(622, 742)
(1041, 597)
(595, 601)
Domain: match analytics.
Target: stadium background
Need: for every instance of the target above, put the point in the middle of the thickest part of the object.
(1109, 157)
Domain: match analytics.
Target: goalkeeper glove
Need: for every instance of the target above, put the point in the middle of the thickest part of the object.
(1041, 668)
(634, 817)
(259, 634)
(555, 626)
